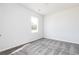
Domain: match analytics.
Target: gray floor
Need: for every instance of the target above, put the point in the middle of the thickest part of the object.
(7, 52)
(49, 47)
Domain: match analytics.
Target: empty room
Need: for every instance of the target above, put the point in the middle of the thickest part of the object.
(39, 28)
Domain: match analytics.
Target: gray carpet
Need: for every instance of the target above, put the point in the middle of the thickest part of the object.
(49, 47)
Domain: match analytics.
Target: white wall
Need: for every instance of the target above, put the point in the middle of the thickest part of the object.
(63, 25)
(15, 26)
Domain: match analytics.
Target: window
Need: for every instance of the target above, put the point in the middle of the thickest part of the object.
(34, 22)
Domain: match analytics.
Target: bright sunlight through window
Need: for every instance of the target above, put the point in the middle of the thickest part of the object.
(34, 22)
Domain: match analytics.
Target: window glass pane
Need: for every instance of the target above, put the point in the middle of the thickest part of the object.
(34, 22)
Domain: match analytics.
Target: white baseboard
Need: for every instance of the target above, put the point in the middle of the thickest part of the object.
(59, 39)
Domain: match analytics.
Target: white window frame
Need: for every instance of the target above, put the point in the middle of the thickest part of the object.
(34, 21)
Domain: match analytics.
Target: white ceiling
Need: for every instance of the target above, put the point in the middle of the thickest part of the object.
(47, 8)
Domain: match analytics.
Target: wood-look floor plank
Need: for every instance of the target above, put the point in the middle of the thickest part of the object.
(49, 47)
